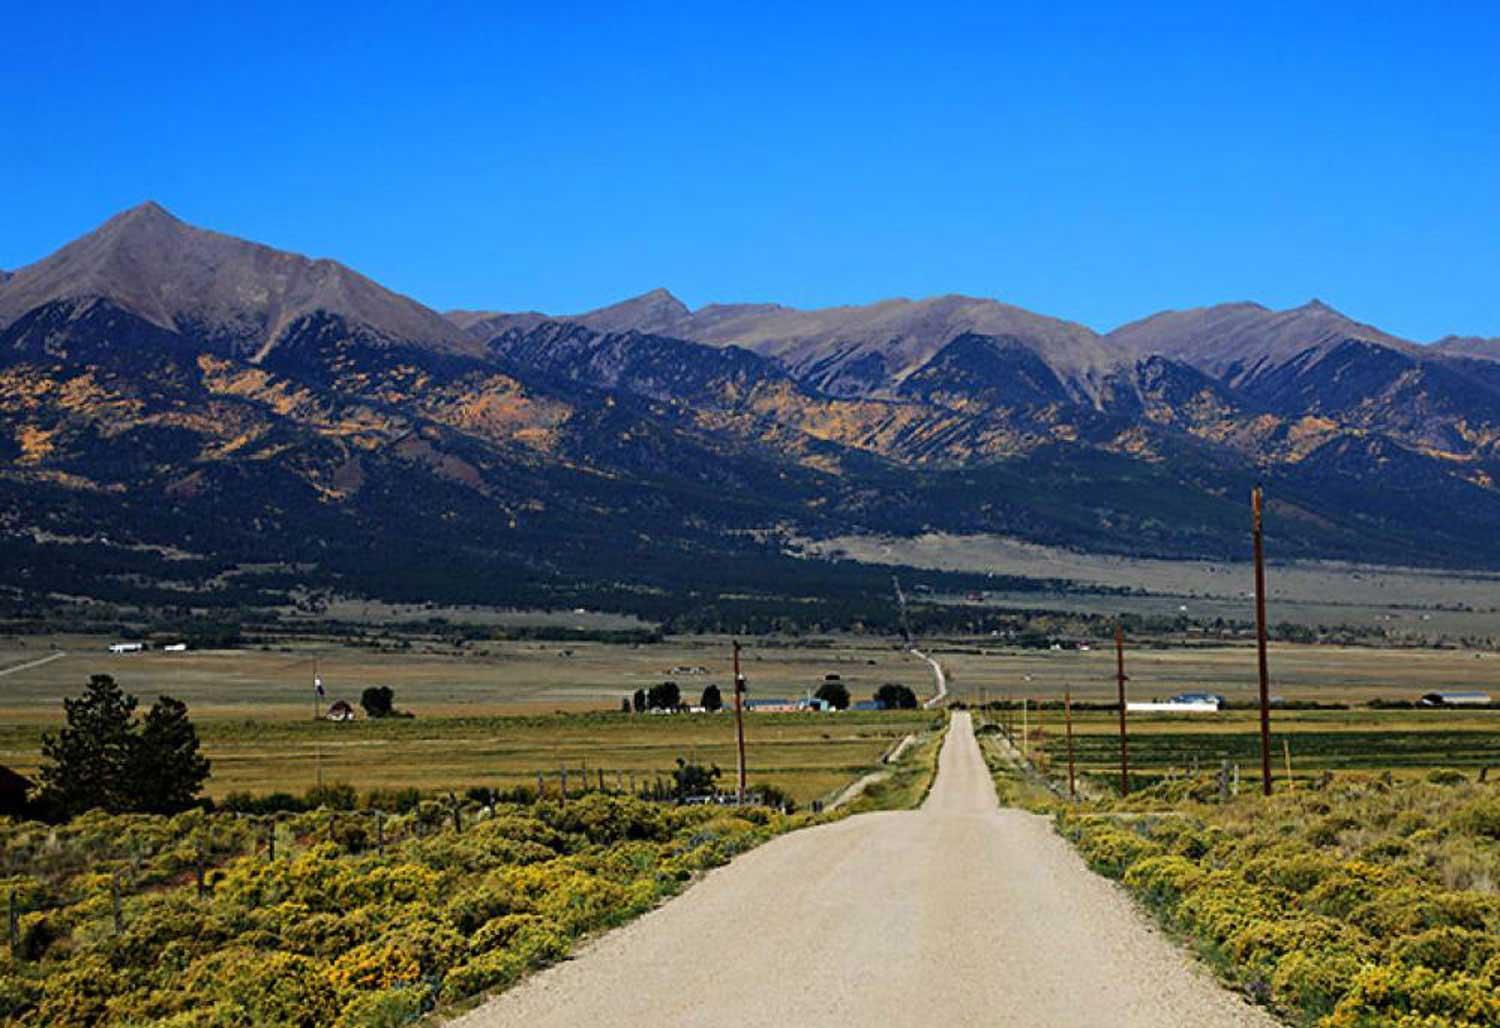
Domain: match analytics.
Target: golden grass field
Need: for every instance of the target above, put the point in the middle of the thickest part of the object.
(493, 714)
(496, 713)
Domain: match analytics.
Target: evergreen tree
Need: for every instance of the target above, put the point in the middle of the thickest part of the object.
(896, 697)
(86, 764)
(378, 701)
(665, 696)
(836, 695)
(105, 758)
(167, 771)
(712, 699)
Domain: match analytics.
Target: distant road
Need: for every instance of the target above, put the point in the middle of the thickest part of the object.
(939, 674)
(35, 663)
(956, 914)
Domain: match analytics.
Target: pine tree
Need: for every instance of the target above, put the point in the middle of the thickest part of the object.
(167, 770)
(106, 758)
(86, 764)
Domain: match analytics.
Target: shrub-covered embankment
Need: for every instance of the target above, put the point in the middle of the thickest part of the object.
(1362, 902)
(192, 920)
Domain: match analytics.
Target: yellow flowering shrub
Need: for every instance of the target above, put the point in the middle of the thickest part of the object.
(337, 929)
(1366, 902)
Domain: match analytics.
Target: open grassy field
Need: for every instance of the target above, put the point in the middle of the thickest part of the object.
(436, 679)
(1406, 742)
(1325, 673)
(493, 714)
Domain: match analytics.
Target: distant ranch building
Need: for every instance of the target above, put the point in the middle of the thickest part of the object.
(1182, 703)
(1460, 698)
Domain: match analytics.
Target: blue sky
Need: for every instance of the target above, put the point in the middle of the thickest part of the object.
(1092, 162)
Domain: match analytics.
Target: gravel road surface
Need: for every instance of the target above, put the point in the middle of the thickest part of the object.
(959, 913)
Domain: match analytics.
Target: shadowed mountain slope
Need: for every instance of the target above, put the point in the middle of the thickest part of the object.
(171, 387)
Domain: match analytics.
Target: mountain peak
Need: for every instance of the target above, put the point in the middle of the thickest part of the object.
(142, 215)
(656, 312)
(148, 209)
(179, 277)
(661, 295)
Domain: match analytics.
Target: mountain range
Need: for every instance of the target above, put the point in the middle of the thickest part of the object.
(241, 418)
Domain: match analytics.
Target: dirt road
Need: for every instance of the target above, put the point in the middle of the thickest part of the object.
(32, 663)
(957, 914)
(939, 677)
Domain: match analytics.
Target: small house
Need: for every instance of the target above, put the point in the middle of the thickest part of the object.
(126, 647)
(868, 705)
(1456, 698)
(340, 711)
(1173, 706)
(772, 706)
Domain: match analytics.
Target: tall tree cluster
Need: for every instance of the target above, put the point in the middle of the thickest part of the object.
(108, 758)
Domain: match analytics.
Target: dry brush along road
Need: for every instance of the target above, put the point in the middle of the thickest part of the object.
(958, 913)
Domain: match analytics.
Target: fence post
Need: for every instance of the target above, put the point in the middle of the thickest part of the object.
(541, 787)
(271, 839)
(13, 920)
(458, 823)
(380, 832)
(114, 896)
(562, 775)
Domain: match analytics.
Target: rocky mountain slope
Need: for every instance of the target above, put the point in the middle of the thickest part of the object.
(239, 297)
(179, 391)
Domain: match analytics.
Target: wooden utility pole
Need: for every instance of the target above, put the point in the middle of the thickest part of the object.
(1120, 680)
(1260, 643)
(739, 726)
(1024, 733)
(1068, 720)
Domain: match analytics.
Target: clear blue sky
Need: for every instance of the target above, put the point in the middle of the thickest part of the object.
(1092, 162)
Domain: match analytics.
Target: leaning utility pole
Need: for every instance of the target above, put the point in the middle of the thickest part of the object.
(739, 722)
(1120, 682)
(1260, 644)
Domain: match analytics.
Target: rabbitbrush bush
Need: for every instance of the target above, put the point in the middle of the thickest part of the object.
(1363, 903)
(332, 932)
